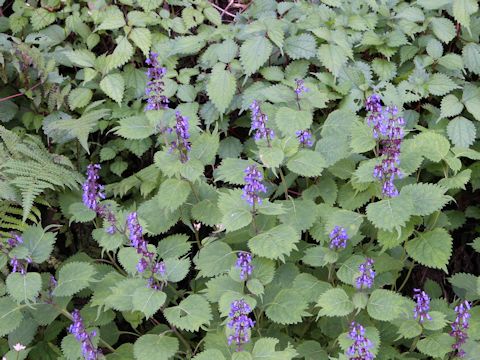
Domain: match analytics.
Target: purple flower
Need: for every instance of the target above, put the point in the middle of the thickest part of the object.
(304, 137)
(253, 185)
(300, 87)
(89, 351)
(338, 238)
(460, 327)
(92, 190)
(244, 263)
(14, 240)
(155, 85)
(422, 307)
(240, 323)
(19, 265)
(259, 123)
(367, 275)
(182, 130)
(360, 349)
(388, 127)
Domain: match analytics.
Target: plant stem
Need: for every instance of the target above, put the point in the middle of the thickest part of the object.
(406, 277)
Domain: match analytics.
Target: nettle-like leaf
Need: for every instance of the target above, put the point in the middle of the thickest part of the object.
(275, 243)
(385, 305)
(426, 198)
(221, 87)
(265, 349)
(254, 53)
(24, 288)
(236, 211)
(10, 315)
(190, 314)
(461, 132)
(288, 307)
(335, 302)
(159, 347)
(431, 248)
(390, 214)
(73, 277)
(214, 258)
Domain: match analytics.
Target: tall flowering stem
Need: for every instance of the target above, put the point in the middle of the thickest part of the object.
(93, 192)
(244, 263)
(147, 261)
(388, 128)
(182, 143)
(89, 351)
(240, 323)
(155, 85)
(338, 238)
(259, 123)
(367, 275)
(360, 349)
(460, 327)
(253, 185)
(422, 307)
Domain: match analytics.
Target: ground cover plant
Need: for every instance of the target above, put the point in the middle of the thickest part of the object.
(239, 180)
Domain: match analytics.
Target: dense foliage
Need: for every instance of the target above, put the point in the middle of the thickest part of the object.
(246, 181)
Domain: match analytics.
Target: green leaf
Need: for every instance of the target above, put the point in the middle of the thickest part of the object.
(39, 243)
(463, 9)
(433, 146)
(142, 38)
(174, 246)
(159, 347)
(299, 214)
(173, 193)
(205, 147)
(176, 269)
(333, 57)
(80, 213)
(254, 53)
(461, 131)
(264, 349)
(275, 243)
(287, 307)
(409, 328)
(301, 47)
(41, 18)
(190, 314)
(82, 58)
(236, 211)
(426, 198)
(319, 256)
(362, 139)
(122, 53)
(385, 70)
(271, 157)
(112, 19)
(335, 302)
(10, 316)
(431, 248)
(289, 120)
(438, 321)
(348, 271)
(385, 305)
(390, 214)
(134, 127)
(113, 85)
(24, 288)
(307, 163)
(443, 28)
(128, 258)
(436, 345)
(471, 57)
(232, 170)
(471, 99)
(73, 277)
(450, 106)
(435, 49)
(211, 354)
(79, 98)
(149, 5)
(440, 84)
(148, 300)
(122, 293)
(221, 87)
(214, 258)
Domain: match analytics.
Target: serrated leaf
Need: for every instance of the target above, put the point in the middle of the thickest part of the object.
(289, 120)
(443, 28)
(390, 214)
(24, 287)
(385, 305)
(80, 213)
(299, 214)
(264, 349)
(307, 163)
(461, 132)
(450, 106)
(159, 347)
(211, 354)
(10, 316)
(113, 85)
(384, 69)
(214, 258)
(436, 345)
(173, 246)
(112, 19)
(232, 170)
(335, 302)
(73, 277)
(426, 198)
(190, 314)
(287, 307)
(176, 269)
(79, 98)
(333, 57)
(121, 294)
(221, 87)
(236, 211)
(148, 300)
(471, 99)
(39, 243)
(41, 18)
(301, 47)
(205, 147)
(82, 58)
(173, 193)
(122, 53)
(471, 57)
(361, 138)
(142, 38)
(134, 127)
(440, 84)
(431, 248)
(463, 9)
(432, 145)
(254, 53)
(275, 243)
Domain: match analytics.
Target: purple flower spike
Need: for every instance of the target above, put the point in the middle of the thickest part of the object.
(155, 85)
(422, 307)
(92, 190)
(460, 327)
(300, 87)
(259, 123)
(244, 261)
(304, 138)
(253, 185)
(89, 351)
(367, 275)
(338, 238)
(360, 349)
(240, 323)
(182, 143)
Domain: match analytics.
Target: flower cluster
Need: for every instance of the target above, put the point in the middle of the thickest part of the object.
(89, 351)
(304, 138)
(253, 185)
(18, 265)
(460, 327)
(360, 349)
(388, 127)
(155, 85)
(422, 307)
(338, 238)
(147, 261)
(259, 123)
(300, 87)
(367, 275)
(182, 142)
(244, 263)
(240, 323)
(93, 193)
